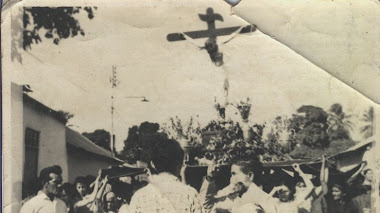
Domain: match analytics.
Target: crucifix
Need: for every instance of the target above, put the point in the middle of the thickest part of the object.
(211, 33)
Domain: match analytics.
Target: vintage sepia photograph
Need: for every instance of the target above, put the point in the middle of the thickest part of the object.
(213, 106)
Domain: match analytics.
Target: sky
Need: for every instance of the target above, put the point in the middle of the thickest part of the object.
(177, 78)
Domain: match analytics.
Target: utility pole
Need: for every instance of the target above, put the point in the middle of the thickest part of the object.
(114, 83)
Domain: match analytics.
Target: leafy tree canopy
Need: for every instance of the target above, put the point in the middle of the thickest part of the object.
(59, 23)
(65, 116)
(310, 128)
(140, 142)
(335, 147)
(307, 134)
(367, 128)
(313, 114)
(100, 137)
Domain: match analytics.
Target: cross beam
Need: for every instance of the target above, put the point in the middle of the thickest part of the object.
(212, 32)
(206, 33)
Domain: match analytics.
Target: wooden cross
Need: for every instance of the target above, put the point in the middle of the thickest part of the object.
(211, 33)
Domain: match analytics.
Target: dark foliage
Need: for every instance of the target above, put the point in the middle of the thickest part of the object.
(223, 142)
(339, 123)
(313, 114)
(368, 118)
(140, 142)
(148, 128)
(313, 135)
(311, 129)
(339, 133)
(100, 137)
(336, 109)
(64, 116)
(306, 134)
(335, 147)
(59, 22)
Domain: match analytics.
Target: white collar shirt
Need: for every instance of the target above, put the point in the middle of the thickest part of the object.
(255, 196)
(165, 194)
(41, 203)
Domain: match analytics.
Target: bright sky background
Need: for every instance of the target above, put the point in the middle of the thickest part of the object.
(177, 78)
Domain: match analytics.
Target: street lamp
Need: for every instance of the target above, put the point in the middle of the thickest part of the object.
(143, 98)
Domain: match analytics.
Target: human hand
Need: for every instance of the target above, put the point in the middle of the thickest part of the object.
(148, 172)
(183, 168)
(324, 158)
(100, 173)
(186, 159)
(296, 167)
(99, 177)
(127, 179)
(183, 172)
(211, 170)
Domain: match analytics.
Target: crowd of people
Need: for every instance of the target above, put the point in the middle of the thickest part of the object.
(166, 190)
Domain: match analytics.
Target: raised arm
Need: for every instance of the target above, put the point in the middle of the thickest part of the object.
(208, 189)
(304, 177)
(352, 179)
(363, 164)
(183, 169)
(90, 198)
(324, 176)
(102, 188)
(309, 185)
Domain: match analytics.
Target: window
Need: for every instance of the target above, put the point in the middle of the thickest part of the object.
(32, 142)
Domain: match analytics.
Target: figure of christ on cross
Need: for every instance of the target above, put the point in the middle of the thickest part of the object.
(211, 33)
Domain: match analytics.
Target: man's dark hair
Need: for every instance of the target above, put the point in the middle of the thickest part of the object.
(254, 166)
(82, 180)
(168, 156)
(45, 173)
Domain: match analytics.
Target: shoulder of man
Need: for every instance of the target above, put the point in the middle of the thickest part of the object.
(30, 200)
(190, 189)
(143, 190)
(147, 190)
(29, 204)
(60, 201)
(61, 205)
(225, 191)
(138, 198)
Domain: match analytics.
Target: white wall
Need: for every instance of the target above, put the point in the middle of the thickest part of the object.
(52, 149)
(52, 145)
(82, 163)
(14, 149)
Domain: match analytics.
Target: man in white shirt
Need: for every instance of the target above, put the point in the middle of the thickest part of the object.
(165, 193)
(225, 200)
(46, 200)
